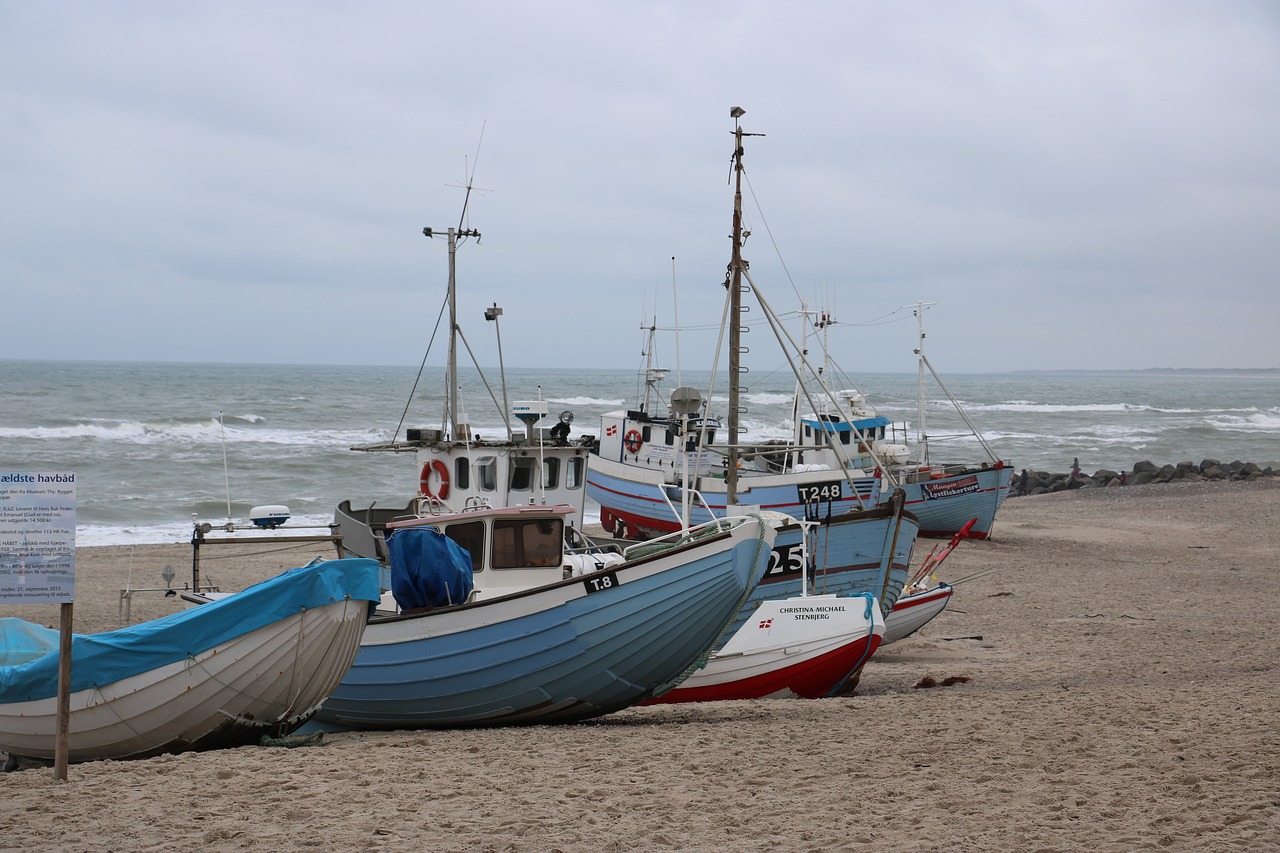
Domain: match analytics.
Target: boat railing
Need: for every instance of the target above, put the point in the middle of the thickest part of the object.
(577, 542)
(697, 533)
(272, 536)
(680, 492)
(475, 503)
(426, 506)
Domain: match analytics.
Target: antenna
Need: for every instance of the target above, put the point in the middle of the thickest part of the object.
(675, 306)
(469, 171)
(454, 233)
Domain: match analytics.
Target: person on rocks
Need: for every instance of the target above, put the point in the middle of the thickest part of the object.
(1022, 483)
(1075, 468)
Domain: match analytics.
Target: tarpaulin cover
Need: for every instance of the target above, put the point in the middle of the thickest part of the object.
(22, 641)
(98, 659)
(428, 569)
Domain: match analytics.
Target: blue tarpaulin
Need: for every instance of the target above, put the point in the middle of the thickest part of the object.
(22, 641)
(428, 569)
(104, 658)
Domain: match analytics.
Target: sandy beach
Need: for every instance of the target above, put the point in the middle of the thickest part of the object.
(1122, 695)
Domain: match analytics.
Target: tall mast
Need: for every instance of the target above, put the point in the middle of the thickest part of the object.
(922, 435)
(452, 377)
(451, 374)
(734, 283)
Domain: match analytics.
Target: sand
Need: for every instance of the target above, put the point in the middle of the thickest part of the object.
(1122, 696)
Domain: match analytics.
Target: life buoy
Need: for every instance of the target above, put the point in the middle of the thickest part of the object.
(424, 481)
(632, 441)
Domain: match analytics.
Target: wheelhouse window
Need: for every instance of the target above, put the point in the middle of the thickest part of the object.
(469, 535)
(573, 473)
(462, 473)
(551, 472)
(523, 469)
(487, 474)
(522, 543)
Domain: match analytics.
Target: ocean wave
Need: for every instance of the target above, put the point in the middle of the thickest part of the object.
(99, 535)
(594, 402)
(204, 432)
(1258, 421)
(1040, 408)
(765, 398)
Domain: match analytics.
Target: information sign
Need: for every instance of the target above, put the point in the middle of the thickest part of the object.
(37, 538)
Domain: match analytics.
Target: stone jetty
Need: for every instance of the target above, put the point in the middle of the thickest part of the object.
(1143, 473)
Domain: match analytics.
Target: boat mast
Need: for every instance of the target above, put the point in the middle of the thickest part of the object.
(734, 283)
(922, 435)
(652, 375)
(451, 375)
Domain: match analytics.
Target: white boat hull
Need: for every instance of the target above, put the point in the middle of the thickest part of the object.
(806, 647)
(912, 612)
(267, 681)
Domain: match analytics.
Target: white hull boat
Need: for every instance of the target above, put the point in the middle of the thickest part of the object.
(224, 674)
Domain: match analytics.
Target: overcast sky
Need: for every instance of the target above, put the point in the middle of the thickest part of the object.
(1089, 185)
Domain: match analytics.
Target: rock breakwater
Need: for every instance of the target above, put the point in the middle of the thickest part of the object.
(1143, 473)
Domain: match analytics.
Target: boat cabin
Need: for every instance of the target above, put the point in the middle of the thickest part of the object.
(516, 548)
(636, 438)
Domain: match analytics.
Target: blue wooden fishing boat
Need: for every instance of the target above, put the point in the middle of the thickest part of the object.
(501, 651)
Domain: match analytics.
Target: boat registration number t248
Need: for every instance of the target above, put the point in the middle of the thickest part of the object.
(600, 581)
(818, 492)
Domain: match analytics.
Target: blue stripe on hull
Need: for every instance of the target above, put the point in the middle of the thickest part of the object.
(643, 500)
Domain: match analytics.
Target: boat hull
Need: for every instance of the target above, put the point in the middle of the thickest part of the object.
(945, 504)
(912, 612)
(268, 680)
(639, 499)
(559, 653)
(855, 553)
(805, 647)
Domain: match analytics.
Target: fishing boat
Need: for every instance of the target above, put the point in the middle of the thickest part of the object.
(925, 597)
(915, 609)
(807, 646)
(653, 472)
(515, 633)
(255, 663)
(502, 633)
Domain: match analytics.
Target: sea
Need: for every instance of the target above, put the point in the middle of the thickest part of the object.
(156, 447)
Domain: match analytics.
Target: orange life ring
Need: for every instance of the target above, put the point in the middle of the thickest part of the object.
(632, 441)
(424, 480)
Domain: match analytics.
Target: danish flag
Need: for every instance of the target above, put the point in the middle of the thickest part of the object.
(613, 430)
(766, 623)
